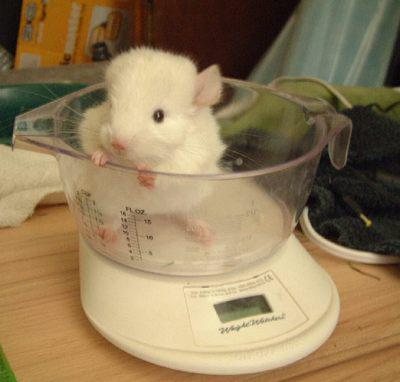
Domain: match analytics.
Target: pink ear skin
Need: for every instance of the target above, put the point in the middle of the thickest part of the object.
(208, 87)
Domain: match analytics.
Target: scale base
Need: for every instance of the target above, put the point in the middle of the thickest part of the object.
(230, 363)
(244, 361)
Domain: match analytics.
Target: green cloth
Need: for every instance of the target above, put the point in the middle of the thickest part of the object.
(6, 374)
(384, 97)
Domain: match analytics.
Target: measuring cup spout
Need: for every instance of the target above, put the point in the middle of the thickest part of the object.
(35, 130)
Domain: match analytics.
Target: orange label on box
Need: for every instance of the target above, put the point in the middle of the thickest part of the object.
(54, 32)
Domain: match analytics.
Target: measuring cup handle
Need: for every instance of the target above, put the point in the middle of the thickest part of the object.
(338, 130)
(339, 140)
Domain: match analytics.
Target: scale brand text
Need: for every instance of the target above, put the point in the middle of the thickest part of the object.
(249, 323)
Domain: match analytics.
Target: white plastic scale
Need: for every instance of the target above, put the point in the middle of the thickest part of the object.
(267, 315)
(264, 309)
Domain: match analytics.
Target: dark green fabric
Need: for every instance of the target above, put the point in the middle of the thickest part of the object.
(371, 179)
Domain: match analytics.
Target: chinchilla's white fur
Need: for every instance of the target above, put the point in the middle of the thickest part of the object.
(187, 141)
(139, 82)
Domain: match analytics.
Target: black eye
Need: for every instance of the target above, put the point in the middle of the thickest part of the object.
(158, 116)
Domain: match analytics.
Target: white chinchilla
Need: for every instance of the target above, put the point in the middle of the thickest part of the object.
(157, 114)
(157, 117)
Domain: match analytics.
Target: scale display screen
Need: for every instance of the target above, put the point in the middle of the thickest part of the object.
(242, 308)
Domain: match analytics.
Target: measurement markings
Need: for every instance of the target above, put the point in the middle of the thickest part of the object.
(137, 238)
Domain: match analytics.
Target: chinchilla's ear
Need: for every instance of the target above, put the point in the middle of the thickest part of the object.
(208, 87)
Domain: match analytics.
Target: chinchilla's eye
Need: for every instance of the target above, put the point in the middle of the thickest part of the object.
(158, 115)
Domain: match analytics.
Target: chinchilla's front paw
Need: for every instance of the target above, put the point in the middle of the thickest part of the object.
(99, 158)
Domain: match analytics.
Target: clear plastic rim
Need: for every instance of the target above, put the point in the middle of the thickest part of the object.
(300, 101)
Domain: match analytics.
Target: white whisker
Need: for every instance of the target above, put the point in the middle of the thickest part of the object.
(245, 156)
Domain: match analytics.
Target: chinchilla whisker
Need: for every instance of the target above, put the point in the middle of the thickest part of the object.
(75, 129)
(76, 120)
(244, 156)
(50, 91)
(230, 156)
(252, 135)
(72, 122)
(73, 110)
(228, 151)
(37, 95)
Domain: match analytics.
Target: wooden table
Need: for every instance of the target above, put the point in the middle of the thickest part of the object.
(46, 336)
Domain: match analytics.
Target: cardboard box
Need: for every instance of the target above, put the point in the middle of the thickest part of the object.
(54, 32)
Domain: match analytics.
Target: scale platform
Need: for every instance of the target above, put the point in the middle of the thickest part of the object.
(264, 316)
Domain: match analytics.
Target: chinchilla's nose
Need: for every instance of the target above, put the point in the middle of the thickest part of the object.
(118, 145)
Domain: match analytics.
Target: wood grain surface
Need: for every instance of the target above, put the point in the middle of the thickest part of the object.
(46, 336)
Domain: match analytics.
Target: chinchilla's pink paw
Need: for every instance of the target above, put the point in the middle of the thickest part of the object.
(145, 178)
(107, 234)
(99, 158)
(200, 230)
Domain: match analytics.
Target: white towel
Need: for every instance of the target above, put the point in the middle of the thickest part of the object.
(26, 180)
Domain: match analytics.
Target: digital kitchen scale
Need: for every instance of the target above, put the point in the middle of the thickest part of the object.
(248, 300)
(265, 316)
